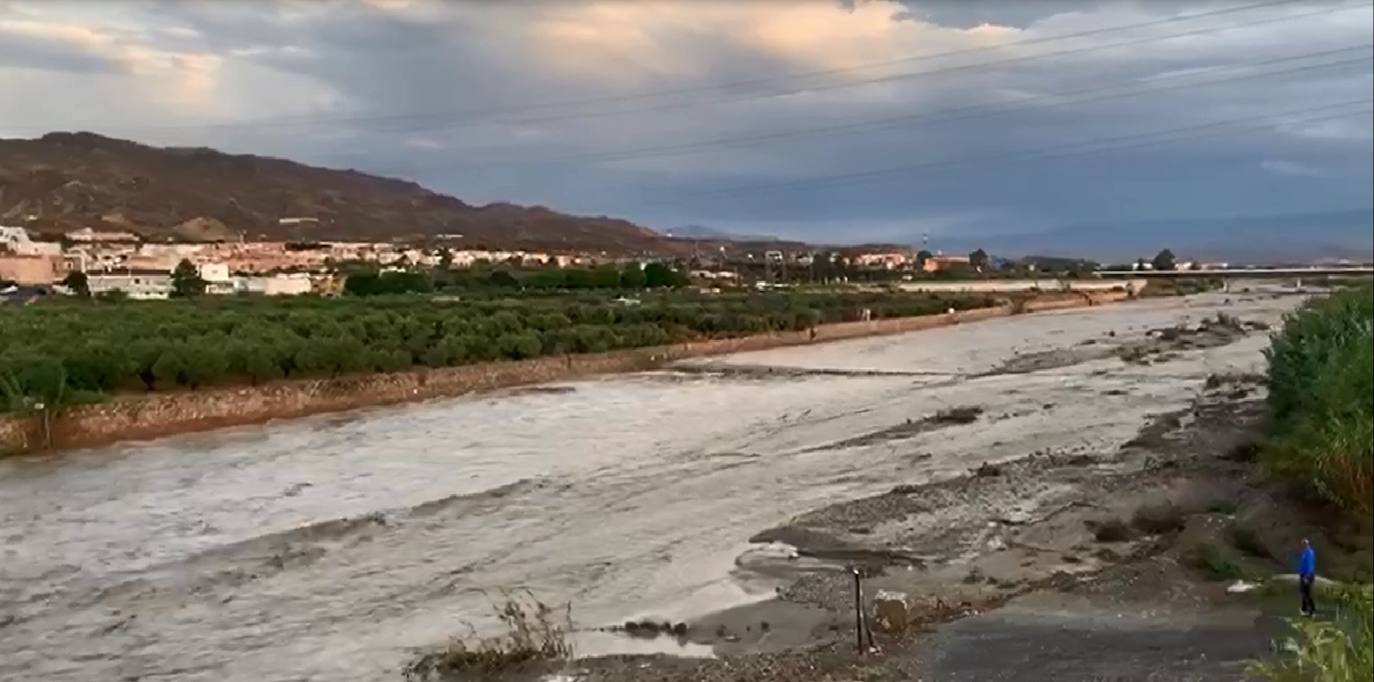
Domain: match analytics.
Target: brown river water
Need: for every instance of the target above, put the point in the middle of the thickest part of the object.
(329, 548)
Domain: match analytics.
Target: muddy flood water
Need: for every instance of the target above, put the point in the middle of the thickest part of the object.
(328, 548)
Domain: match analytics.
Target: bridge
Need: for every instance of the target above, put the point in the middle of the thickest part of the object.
(1247, 273)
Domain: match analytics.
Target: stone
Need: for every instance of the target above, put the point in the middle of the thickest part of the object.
(892, 611)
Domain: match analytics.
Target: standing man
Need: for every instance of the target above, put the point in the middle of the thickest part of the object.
(1307, 573)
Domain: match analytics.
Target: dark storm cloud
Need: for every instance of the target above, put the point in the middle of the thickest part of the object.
(515, 101)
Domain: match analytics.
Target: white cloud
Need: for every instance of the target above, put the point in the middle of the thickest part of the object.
(1281, 167)
(484, 89)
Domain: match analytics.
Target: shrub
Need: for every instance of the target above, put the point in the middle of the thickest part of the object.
(1227, 507)
(1321, 377)
(1338, 650)
(1248, 541)
(1210, 560)
(533, 632)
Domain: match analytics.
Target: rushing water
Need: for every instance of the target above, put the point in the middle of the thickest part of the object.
(325, 548)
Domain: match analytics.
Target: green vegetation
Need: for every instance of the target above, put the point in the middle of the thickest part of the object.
(1227, 507)
(1336, 650)
(186, 281)
(1212, 561)
(1321, 403)
(1248, 541)
(485, 278)
(80, 350)
(1165, 260)
(1321, 379)
(78, 283)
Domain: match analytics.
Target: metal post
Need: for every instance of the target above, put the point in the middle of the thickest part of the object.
(858, 611)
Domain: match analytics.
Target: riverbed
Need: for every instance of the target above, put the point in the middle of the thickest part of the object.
(328, 548)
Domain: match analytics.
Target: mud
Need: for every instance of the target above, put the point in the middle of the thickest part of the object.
(966, 414)
(332, 547)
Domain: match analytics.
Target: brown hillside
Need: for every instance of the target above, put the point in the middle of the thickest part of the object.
(71, 180)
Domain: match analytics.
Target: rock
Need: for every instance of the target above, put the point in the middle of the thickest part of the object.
(987, 469)
(1241, 587)
(892, 611)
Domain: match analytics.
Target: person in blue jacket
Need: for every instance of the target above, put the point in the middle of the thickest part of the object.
(1307, 574)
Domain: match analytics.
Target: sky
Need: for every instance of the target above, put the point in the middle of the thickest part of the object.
(827, 120)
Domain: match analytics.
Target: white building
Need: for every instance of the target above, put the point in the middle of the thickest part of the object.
(293, 284)
(138, 285)
(216, 278)
(87, 235)
(16, 240)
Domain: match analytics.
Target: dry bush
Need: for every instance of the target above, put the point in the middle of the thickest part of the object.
(533, 632)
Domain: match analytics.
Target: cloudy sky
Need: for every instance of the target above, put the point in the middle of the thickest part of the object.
(826, 120)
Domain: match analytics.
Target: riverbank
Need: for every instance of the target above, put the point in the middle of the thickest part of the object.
(174, 412)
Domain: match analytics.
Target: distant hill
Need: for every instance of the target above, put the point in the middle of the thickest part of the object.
(712, 234)
(71, 180)
(1295, 238)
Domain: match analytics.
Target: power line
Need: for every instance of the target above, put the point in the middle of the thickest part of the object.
(963, 68)
(1047, 153)
(948, 114)
(482, 114)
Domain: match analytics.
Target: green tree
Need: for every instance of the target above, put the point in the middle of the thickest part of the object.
(579, 278)
(520, 345)
(206, 363)
(41, 386)
(389, 359)
(978, 259)
(170, 368)
(548, 278)
(1164, 260)
(78, 283)
(253, 359)
(503, 278)
(922, 256)
(660, 275)
(97, 365)
(186, 281)
(606, 277)
(632, 277)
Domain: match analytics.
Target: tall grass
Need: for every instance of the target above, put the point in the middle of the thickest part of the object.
(1337, 650)
(1321, 399)
(534, 632)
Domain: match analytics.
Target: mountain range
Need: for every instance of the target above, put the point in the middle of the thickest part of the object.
(712, 234)
(63, 181)
(1288, 238)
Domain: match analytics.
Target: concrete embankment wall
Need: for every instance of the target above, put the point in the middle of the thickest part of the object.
(159, 414)
(1012, 286)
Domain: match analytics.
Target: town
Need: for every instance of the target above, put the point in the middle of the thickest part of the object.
(123, 264)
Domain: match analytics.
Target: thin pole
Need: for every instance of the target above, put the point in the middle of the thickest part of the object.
(858, 611)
